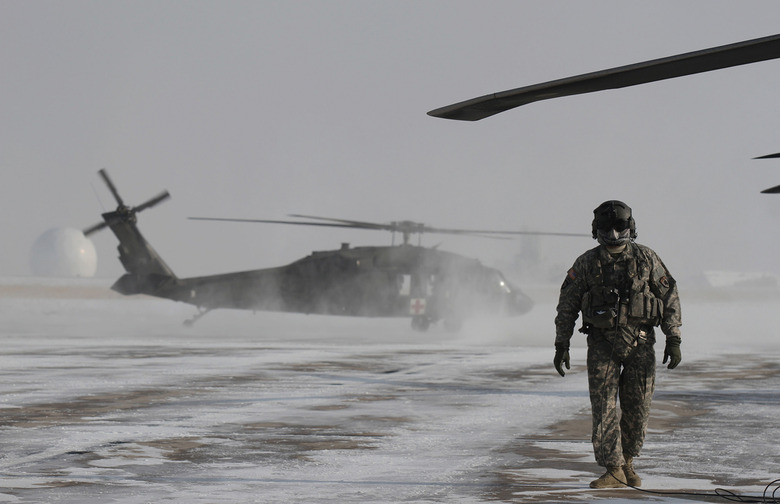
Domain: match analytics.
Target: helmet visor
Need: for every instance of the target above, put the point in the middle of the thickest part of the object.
(618, 225)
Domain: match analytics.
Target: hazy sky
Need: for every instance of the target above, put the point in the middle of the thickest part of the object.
(261, 109)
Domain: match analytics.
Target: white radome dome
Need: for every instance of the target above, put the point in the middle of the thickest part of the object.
(63, 252)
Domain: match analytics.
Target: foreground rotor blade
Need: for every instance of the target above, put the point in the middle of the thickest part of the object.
(157, 199)
(104, 175)
(740, 53)
(771, 190)
(769, 156)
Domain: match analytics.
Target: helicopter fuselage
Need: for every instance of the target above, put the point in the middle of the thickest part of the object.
(392, 281)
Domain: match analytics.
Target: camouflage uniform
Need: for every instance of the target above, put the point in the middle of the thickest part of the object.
(622, 297)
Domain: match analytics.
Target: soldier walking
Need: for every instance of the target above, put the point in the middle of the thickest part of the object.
(623, 290)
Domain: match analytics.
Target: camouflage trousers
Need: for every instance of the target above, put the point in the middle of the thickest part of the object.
(618, 371)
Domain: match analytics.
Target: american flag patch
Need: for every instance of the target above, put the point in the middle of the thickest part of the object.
(572, 274)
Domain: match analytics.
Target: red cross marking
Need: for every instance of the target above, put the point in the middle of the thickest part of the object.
(417, 306)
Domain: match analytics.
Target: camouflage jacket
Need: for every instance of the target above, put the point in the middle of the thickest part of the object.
(627, 293)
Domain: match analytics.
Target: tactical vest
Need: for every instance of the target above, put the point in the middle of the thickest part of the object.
(632, 304)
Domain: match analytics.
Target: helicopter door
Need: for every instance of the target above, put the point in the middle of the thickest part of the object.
(411, 288)
(405, 285)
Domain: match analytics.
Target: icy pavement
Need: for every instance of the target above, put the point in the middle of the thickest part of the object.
(112, 400)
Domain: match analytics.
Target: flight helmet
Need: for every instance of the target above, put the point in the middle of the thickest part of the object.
(613, 225)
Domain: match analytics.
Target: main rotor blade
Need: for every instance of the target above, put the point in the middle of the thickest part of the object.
(769, 156)
(351, 223)
(264, 221)
(706, 60)
(403, 226)
(409, 227)
(153, 201)
(104, 174)
(475, 232)
(406, 226)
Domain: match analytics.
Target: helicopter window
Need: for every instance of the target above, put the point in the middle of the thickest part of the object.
(406, 285)
(495, 281)
(503, 284)
(336, 264)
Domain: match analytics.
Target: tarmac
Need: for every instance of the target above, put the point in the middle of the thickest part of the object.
(109, 399)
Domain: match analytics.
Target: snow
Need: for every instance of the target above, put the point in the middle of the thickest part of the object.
(111, 399)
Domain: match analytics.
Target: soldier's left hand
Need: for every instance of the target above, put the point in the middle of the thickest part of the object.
(672, 352)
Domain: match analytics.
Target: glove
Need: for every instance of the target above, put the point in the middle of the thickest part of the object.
(561, 357)
(672, 351)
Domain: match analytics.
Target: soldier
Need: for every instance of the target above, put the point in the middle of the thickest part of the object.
(623, 290)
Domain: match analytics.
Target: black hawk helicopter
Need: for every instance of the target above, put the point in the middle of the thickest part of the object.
(404, 280)
(706, 60)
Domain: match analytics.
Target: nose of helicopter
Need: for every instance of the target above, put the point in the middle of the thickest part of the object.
(519, 302)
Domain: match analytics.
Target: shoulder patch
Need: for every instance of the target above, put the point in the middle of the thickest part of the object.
(571, 275)
(664, 281)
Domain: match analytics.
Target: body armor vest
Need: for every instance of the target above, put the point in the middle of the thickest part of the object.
(620, 295)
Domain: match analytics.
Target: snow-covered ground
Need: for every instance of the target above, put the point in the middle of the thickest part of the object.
(107, 399)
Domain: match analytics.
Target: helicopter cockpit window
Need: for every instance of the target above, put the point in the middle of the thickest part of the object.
(501, 282)
(336, 264)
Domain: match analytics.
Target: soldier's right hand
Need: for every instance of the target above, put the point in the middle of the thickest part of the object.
(561, 357)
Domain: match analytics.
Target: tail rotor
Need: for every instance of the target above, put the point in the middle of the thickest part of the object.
(104, 175)
(123, 212)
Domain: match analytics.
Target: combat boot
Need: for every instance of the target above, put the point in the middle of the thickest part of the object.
(632, 478)
(613, 478)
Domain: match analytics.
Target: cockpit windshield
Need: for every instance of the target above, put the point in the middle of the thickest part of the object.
(502, 283)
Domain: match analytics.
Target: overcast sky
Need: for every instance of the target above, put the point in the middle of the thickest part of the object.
(261, 109)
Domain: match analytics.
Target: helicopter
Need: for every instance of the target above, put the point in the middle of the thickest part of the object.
(425, 284)
(705, 60)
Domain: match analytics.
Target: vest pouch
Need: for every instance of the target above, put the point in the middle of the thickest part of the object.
(637, 307)
(600, 307)
(646, 308)
(655, 310)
